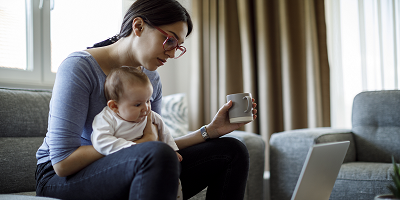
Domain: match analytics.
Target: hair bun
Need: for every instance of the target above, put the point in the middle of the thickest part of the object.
(106, 42)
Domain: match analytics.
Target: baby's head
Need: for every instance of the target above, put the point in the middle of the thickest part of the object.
(128, 91)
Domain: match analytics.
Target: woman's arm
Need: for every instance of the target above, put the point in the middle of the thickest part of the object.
(85, 155)
(189, 139)
(79, 159)
(218, 127)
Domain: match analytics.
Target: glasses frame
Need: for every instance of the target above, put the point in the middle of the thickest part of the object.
(182, 48)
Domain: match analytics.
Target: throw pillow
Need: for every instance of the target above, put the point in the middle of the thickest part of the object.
(174, 111)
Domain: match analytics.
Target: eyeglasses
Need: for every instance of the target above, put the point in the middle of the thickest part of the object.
(171, 43)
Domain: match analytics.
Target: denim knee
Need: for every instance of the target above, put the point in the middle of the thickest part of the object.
(237, 149)
(159, 171)
(160, 154)
(158, 150)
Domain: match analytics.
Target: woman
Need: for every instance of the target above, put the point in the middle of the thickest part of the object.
(70, 168)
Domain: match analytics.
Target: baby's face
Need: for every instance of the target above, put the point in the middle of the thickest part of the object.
(134, 105)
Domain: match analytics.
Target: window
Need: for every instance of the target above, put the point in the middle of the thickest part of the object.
(364, 51)
(36, 35)
(87, 22)
(13, 43)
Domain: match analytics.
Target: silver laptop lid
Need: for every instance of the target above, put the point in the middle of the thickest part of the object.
(320, 171)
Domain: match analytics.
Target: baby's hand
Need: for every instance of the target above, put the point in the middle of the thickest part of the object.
(179, 157)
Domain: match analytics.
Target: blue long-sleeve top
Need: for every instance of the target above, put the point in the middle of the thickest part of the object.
(78, 96)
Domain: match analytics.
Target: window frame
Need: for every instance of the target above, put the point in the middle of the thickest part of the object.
(38, 72)
(38, 51)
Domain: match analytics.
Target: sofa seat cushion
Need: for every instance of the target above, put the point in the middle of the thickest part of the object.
(18, 163)
(22, 197)
(368, 179)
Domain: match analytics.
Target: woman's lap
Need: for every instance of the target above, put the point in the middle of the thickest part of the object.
(219, 164)
(139, 171)
(139, 168)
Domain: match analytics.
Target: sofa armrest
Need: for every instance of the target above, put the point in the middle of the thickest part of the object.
(256, 148)
(288, 151)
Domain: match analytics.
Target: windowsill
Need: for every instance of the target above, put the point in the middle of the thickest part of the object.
(30, 85)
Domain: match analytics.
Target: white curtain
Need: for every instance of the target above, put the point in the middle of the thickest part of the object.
(363, 49)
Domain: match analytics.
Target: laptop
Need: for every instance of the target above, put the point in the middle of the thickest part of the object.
(320, 171)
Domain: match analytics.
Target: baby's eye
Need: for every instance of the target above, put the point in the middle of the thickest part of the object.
(138, 105)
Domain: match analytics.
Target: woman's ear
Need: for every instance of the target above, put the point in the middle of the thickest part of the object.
(112, 104)
(138, 25)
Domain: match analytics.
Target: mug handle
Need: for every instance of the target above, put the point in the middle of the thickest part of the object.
(249, 105)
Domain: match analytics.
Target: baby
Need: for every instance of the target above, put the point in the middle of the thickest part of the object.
(122, 121)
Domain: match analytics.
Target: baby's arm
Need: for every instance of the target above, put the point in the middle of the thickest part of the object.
(164, 135)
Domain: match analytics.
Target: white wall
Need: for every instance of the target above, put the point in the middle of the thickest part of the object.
(175, 74)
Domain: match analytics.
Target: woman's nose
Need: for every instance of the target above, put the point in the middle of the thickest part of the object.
(171, 53)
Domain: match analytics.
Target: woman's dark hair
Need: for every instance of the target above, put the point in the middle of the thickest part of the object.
(157, 12)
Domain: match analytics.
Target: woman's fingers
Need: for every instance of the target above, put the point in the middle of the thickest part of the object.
(254, 109)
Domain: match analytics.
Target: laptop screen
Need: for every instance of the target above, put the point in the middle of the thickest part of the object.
(320, 171)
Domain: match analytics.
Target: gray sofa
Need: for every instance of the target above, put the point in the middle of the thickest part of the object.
(365, 173)
(23, 125)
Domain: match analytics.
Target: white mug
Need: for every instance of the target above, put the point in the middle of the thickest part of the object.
(242, 108)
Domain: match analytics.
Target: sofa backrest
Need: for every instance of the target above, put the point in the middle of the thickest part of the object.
(376, 125)
(23, 125)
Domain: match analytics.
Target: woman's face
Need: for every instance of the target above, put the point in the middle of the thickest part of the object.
(152, 54)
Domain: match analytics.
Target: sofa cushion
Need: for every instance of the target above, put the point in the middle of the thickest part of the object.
(18, 163)
(376, 125)
(24, 113)
(174, 111)
(23, 116)
(22, 197)
(362, 180)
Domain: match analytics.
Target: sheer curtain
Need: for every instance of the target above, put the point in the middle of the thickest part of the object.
(363, 49)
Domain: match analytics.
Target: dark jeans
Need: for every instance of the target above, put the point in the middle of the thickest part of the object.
(151, 170)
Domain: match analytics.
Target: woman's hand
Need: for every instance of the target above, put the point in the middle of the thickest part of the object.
(179, 157)
(220, 125)
(150, 132)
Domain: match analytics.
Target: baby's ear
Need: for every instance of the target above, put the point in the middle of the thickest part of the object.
(112, 104)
